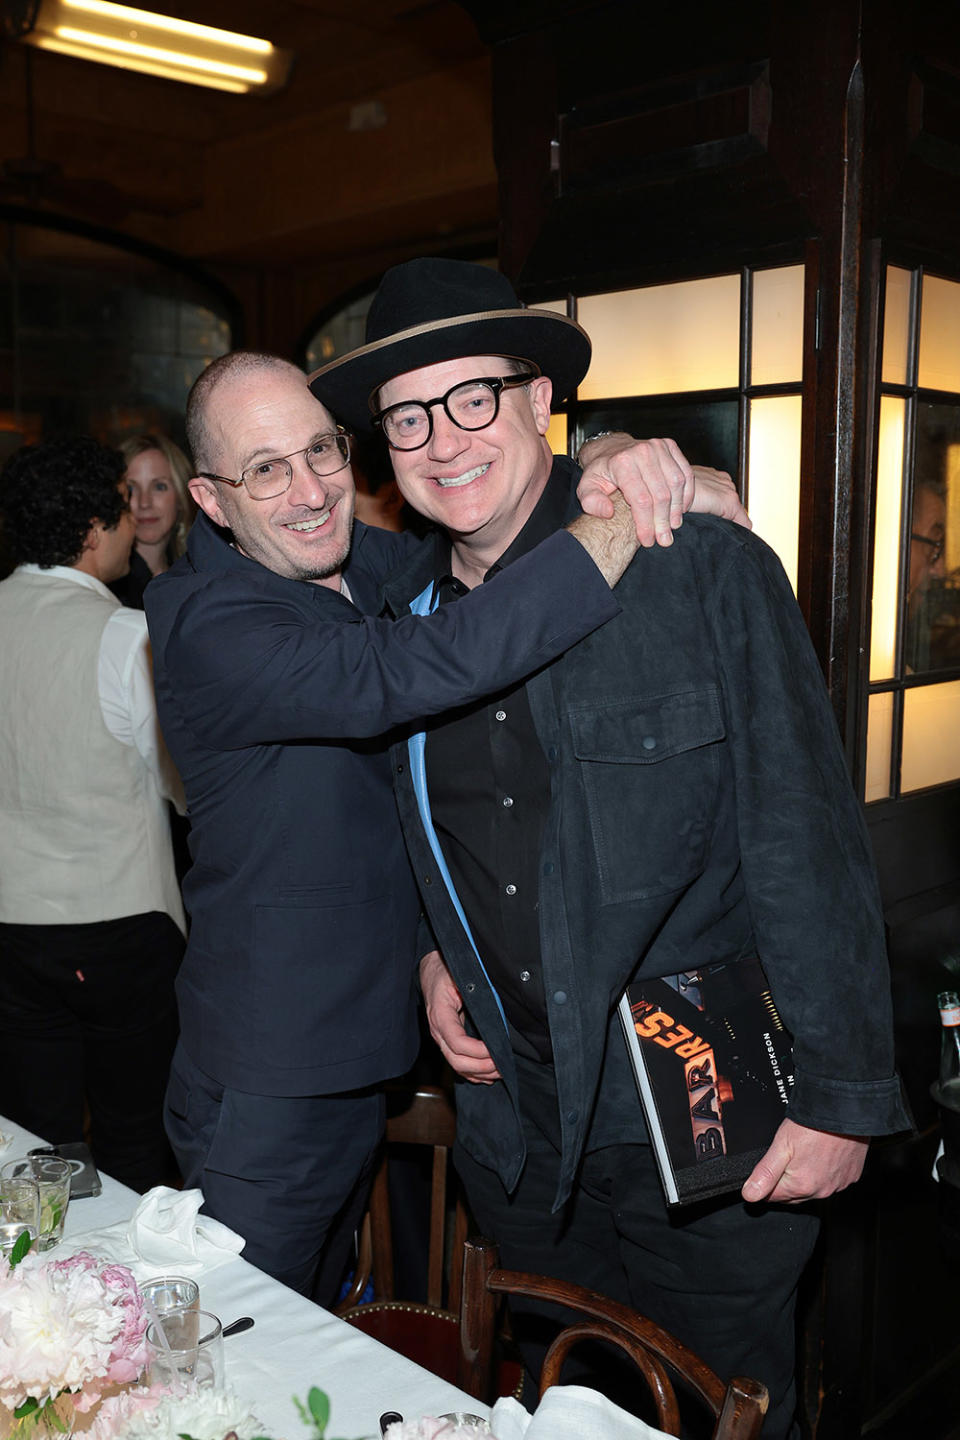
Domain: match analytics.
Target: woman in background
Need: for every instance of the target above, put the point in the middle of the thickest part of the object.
(163, 511)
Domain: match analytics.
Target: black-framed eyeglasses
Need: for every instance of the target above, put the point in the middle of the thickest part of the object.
(269, 478)
(471, 405)
(936, 546)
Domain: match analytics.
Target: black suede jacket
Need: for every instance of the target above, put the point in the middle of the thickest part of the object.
(701, 811)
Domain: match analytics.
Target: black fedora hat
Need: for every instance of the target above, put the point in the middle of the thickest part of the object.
(430, 310)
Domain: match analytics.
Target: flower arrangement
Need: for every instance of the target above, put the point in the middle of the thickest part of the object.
(71, 1327)
(73, 1347)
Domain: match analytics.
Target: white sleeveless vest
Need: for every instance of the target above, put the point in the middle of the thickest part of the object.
(84, 832)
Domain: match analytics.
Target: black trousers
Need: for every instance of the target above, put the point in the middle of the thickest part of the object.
(721, 1276)
(88, 1012)
(290, 1173)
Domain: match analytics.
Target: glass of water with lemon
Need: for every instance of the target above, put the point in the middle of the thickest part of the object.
(51, 1176)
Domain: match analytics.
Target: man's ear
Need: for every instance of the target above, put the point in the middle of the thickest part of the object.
(541, 393)
(205, 494)
(91, 541)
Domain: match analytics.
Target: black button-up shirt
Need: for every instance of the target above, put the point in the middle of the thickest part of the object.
(489, 786)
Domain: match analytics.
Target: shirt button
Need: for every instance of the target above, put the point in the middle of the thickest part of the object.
(649, 743)
(511, 889)
(524, 976)
(470, 988)
(552, 752)
(501, 715)
(507, 801)
(571, 1117)
(560, 997)
(548, 868)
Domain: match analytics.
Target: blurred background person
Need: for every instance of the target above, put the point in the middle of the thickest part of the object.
(91, 922)
(162, 508)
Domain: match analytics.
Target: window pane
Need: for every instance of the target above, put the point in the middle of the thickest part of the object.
(939, 335)
(931, 736)
(773, 490)
(776, 354)
(879, 746)
(705, 431)
(557, 434)
(886, 544)
(932, 637)
(663, 338)
(896, 325)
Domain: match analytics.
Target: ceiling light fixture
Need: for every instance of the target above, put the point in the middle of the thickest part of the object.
(159, 45)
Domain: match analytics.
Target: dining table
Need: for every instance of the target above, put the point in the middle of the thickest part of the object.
(293, 1343)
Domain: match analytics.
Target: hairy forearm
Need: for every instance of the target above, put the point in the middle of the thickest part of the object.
(611, 544)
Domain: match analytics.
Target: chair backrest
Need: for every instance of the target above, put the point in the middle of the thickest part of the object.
(425, 1116)
(738, 1407)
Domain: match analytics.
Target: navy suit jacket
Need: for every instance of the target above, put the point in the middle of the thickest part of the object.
(276, 697)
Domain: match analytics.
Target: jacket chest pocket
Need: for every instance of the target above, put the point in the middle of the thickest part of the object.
(650, 768)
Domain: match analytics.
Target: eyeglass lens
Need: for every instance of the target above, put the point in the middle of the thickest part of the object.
(325, 456)
(471, 406)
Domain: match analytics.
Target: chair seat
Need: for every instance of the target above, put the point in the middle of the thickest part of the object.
(427, 1336)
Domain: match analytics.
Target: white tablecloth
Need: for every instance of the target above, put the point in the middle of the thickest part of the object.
(293, 1345)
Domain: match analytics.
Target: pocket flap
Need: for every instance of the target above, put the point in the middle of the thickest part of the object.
(643, 729)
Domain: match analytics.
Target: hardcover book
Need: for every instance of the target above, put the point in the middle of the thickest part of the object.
(714, 1067)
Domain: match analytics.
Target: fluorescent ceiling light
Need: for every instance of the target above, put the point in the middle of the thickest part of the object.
(128, 16)
(161, 45)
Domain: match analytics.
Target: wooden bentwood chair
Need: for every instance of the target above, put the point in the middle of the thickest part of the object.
(738, 1408)
(427, 1334)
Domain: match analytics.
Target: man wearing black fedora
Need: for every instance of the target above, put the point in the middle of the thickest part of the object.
(668, 794)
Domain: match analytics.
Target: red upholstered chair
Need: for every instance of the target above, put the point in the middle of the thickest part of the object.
(738, 1408)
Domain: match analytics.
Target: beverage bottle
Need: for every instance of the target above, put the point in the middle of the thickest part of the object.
(949, 1003)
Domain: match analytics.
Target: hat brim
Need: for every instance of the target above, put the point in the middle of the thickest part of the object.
(558, 346)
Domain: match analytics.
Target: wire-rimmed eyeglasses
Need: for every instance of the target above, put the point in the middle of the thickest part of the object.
(936, 546)
(471, 405)
(269, 478)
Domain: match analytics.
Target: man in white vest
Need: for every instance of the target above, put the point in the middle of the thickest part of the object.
(91, 922)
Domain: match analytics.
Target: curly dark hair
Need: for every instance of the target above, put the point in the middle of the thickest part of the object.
(50, 495)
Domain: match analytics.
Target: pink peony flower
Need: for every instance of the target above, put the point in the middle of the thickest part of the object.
(70, 1325)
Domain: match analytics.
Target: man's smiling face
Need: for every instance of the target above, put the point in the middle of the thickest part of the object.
(480, 485)
(303, 534)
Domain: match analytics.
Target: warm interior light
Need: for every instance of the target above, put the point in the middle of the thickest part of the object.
(129, 16)
(879, 746)
(773, 476)
(886, 544)
(159, 56)
(144, 67)
(557, 434)
(931, 735)
(663, 338)
(134, 39)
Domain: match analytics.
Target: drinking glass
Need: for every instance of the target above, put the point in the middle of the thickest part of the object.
(193, 1353)
(20, 1202)
(52, 1178)
(171, 1292)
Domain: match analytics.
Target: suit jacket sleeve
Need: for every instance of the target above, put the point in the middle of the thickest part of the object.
(807, 861)
(248, 666)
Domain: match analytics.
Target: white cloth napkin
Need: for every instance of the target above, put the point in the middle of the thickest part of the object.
(165, 1235)
(569, 1412)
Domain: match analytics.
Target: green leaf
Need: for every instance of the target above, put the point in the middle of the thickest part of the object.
(54, 1418)
(20, 1249)
(319, 1403)
(27, 1408)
